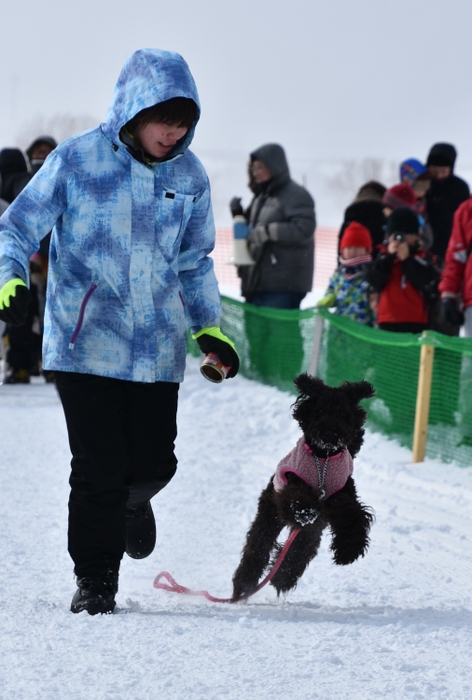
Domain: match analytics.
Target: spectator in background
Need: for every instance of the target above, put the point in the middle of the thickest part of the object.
(281, 240)
(404, 275)
(367, 209)
(456, 292)
(403, 195)
(12, 163)
(281, 218)
(348, 289)
(37, 153)
(24, 342)
(446, 193)
(415, 174)
(456, 282)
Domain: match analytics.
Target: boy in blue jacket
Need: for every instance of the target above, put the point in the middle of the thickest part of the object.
(129, 206)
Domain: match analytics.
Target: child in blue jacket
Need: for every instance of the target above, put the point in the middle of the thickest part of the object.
(129, 270)
(348, 290)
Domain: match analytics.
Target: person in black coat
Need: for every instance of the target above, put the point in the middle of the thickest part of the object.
(37, 153)
(12, 164)
(446, 193)
(367, 209)
(24, 351)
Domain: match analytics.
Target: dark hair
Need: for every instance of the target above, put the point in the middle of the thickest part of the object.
(179, 111)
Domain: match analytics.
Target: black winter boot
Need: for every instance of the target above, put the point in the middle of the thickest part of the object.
(95, 595)
(140, 531)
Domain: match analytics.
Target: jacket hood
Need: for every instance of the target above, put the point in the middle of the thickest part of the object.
(41, 139)
(274, 157)
(150, 76)
(442, 154)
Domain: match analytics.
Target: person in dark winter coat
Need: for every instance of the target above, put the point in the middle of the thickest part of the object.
(37, 153)
(404, 275)
(12, 164)
(281, 241)
(445, 194)
(24, 342)
(367, 209)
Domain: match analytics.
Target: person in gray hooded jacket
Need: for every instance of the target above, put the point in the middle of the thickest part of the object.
(281, 241)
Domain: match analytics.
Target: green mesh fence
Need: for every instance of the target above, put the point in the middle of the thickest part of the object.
(276, 345)
(273, 344)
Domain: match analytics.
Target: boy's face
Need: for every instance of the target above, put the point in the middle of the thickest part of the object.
(159, 139)
(353, 251)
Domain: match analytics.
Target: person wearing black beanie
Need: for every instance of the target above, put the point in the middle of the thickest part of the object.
(404, 275)
(445, 194)
(367, 209)
(12, 163)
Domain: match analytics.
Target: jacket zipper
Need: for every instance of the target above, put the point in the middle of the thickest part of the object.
(80, 320)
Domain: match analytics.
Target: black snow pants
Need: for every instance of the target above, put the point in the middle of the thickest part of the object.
(121, 436)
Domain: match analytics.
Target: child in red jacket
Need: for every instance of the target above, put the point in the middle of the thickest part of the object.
(404, 275)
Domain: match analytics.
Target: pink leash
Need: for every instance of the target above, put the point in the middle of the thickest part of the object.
(175, 587)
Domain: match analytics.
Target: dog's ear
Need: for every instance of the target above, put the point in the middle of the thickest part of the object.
(308, 385)
(356, 391)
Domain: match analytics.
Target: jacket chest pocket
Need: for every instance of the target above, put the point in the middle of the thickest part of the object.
(174, 213)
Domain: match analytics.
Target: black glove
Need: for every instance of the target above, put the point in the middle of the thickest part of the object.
(451, 312)
(259, 235)
(222, 347)
(236, 207)
(15, 298)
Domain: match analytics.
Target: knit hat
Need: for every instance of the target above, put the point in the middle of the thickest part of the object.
(403, 220)
(411, 169)
(402, 195)
(442, 154)
(356, 235)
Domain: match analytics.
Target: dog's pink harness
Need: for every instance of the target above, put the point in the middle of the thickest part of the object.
(301, 461)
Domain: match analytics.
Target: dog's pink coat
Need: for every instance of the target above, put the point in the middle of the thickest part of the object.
(301, 462)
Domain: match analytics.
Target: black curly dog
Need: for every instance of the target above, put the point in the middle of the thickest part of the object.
(331, 420)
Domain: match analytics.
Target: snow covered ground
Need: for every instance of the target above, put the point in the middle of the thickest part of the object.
(396, 625)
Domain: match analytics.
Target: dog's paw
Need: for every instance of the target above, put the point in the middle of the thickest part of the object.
(303, 514)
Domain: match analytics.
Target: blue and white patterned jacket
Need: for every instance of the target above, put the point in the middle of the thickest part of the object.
(129, 267)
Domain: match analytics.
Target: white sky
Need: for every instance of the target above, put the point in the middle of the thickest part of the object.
(329, 81)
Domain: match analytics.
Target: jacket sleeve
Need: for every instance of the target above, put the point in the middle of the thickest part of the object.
(299, 219)
(420, 272)
(198, 284)
(457, 251)
(379, 271)
(31, 217)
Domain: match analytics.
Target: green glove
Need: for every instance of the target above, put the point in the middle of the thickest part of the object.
(213, 340)
(328, 300)
(15, 298)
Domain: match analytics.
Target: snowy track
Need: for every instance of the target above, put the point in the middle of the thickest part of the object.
(396, 625)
